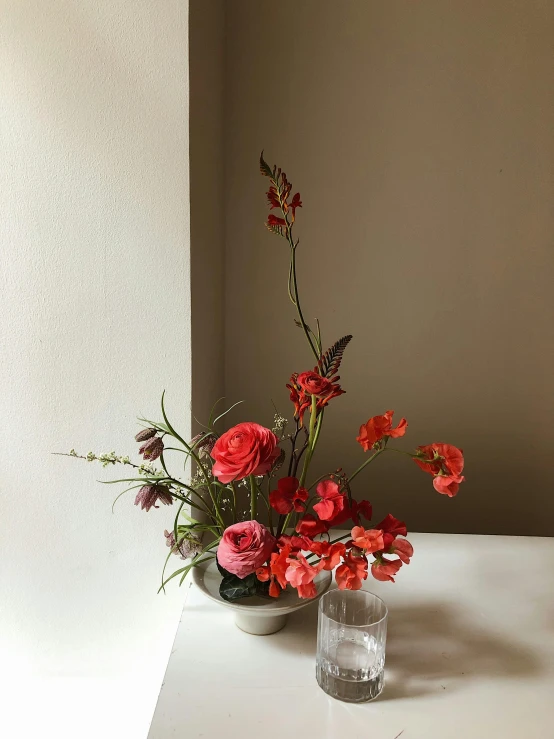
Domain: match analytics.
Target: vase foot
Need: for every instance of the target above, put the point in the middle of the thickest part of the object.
(259, 625)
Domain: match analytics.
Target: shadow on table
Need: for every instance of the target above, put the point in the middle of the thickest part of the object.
(430, 648)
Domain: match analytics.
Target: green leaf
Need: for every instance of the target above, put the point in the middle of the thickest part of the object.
(265, 169)
(233, 588)
(228, 411)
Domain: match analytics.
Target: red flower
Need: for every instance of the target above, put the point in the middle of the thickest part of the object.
(350, 574)
(404, 549)
(330, 553)
(391, 528)
(288, 496)
(301, 401)
(370, 540)
(314, 384)
(301, 574)
(264, 574)
(278, 565)
(273, 198)
(246, 449)
(353, 512)
(332, 500)
(310, 526)
(273, 221)
(385, 569)
(447, 485)
(446, 462)
(296, 543)
(296, 203)
(380, 426)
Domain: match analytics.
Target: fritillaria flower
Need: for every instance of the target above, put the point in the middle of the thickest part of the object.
(149, 495)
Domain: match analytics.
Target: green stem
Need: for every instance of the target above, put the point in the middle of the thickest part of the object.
(361, 467)
(253, 498)
(311, 444)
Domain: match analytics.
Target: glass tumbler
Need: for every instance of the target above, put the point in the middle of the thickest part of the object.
(351, 638)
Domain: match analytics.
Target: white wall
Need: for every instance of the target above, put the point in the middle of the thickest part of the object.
(95, 323)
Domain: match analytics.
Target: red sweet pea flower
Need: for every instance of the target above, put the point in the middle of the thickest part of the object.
(385, 569)
(353, 512)
(264, 574)
(301, 574)
(350, 574)
(330, 553)
(332, 500)
(310, 526)
(446, 462)
(278, 565)
(404, 549)
(378, 427)
(370, 540)
(288, 496)
(447, 485)
(296, 543)
(391, 528)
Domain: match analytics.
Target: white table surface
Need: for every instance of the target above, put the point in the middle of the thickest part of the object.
(470, 653)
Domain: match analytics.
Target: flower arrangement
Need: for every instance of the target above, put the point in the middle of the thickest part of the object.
(255, 466)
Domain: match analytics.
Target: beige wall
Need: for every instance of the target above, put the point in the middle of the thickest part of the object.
(420, 137)
(206, 68)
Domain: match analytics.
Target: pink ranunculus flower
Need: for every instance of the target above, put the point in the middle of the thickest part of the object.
(244, 547)
(246, 449)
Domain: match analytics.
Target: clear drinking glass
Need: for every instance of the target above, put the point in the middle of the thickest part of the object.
(351, 638)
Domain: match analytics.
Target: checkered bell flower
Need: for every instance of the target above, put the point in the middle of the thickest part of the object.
(188, 547)
(152, 448)
(149, 495)
(145, 434)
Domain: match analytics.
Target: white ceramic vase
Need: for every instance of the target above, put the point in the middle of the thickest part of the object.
(256, 615)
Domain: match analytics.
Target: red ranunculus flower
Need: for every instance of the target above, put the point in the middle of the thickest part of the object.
(310, 526)
(385, 569)
(301, 574)
(370, 540)
(380, 426)
(314, 384)
(246, 449)
(446, 462)
(288, 496)
(332, 500)
(350, 574)
(244, 547)
(330, 553)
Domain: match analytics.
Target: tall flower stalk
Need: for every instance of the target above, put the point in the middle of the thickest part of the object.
(222, 482)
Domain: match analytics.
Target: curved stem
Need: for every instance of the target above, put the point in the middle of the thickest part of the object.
(362, 466)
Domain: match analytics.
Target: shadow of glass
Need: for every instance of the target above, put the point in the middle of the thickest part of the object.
(430, 648)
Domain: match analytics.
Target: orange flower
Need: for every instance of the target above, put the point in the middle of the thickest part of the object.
(330, 553)
(384, 569)
(350, 574)
(378, 427)
(404, 549)
(446, 462)
(301, 574)
(370, 540)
